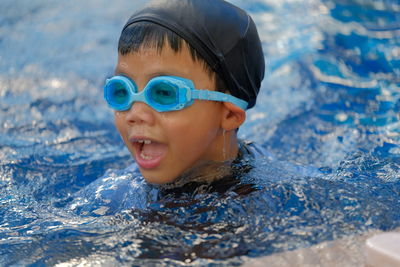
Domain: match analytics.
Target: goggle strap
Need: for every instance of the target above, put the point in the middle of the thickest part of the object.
(218, 96)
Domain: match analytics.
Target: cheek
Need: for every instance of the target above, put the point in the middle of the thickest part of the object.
(193, 131)
(119, 121)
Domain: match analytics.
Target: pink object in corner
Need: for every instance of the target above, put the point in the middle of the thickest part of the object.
(383, 250)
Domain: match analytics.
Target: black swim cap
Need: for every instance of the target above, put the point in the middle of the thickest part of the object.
(223, 34)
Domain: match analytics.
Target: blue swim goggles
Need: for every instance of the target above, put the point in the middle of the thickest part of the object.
(162, 93)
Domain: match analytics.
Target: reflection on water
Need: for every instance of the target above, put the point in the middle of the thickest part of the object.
(330, 101)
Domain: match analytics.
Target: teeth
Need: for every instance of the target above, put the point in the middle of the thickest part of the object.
(144, 156)
(146, 142)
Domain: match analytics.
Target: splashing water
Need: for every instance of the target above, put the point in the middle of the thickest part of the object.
(330, 102)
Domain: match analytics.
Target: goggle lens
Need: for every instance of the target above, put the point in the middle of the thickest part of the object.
(164, 93)
(119, 94)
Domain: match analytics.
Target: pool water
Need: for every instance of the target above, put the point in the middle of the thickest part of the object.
(328, 113)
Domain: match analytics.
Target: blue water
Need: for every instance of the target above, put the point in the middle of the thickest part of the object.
(330, 101)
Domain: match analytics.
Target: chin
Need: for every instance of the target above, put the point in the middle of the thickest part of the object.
(152, 179)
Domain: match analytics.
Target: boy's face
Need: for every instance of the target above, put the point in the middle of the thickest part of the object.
(180, 139)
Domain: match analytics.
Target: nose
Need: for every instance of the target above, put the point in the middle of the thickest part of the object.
(140, 113)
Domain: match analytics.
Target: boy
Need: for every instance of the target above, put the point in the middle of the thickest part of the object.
(187, 70)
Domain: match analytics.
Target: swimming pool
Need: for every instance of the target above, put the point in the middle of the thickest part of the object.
(330, 102)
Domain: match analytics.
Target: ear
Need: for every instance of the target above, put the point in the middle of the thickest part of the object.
(232, 116)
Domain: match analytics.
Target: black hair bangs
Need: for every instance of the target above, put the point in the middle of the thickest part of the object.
(145, 34)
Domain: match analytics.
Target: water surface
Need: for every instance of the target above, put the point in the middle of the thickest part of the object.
(330, 102)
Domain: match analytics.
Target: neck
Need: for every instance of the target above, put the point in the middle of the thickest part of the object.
(228, 145)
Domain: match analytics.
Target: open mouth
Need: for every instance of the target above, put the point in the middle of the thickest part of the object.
(148, 153)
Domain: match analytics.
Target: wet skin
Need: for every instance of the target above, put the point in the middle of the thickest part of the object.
(165, 144)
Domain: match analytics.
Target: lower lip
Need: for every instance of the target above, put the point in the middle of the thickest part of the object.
(147, 164)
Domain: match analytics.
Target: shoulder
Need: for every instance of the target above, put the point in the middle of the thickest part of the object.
(252, 149)
(259, 157)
